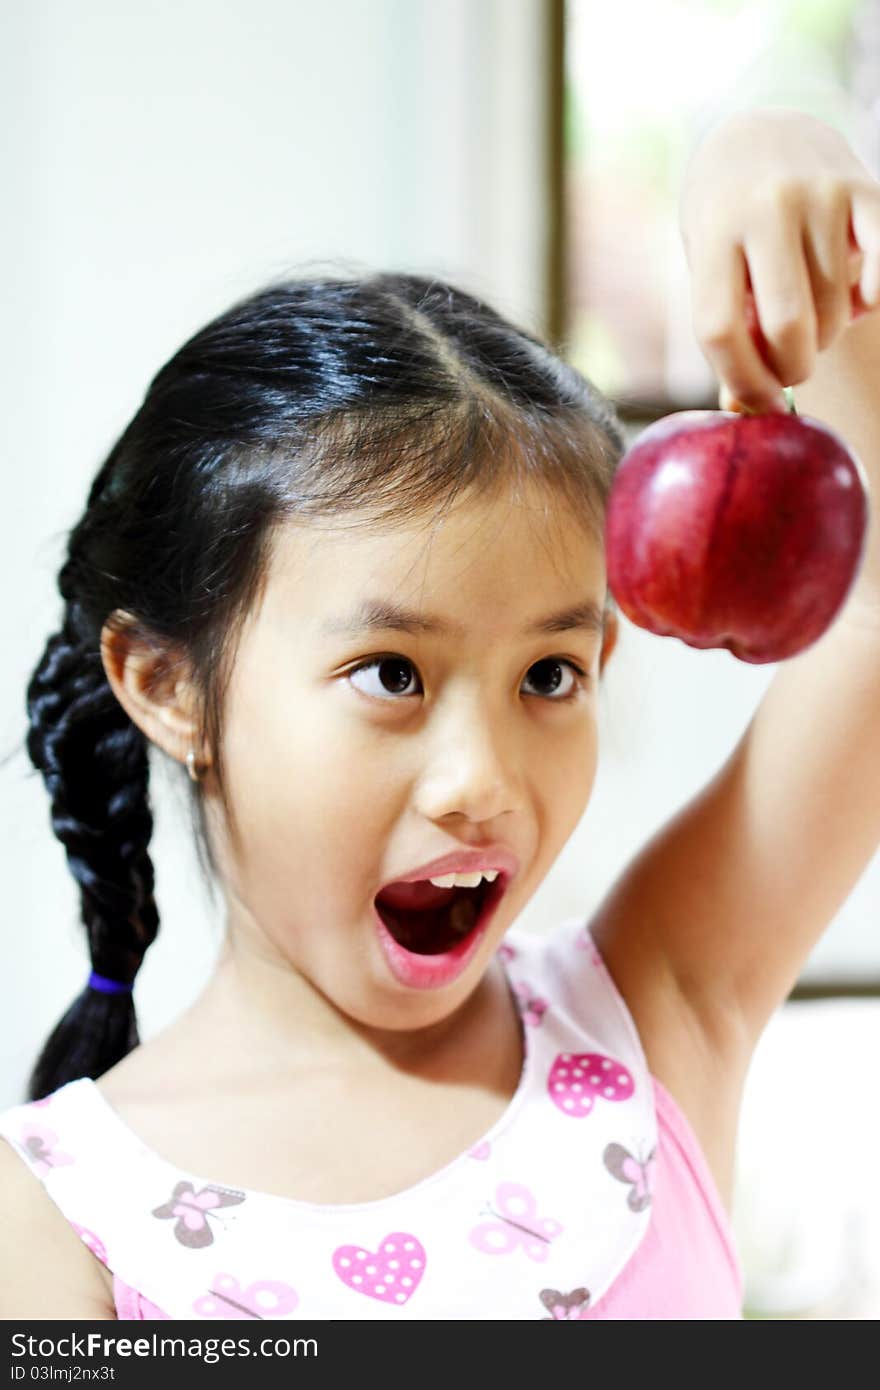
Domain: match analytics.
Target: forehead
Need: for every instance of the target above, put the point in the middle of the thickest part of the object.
(485, 566)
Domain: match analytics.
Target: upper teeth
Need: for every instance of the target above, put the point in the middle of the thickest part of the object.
(464, 880)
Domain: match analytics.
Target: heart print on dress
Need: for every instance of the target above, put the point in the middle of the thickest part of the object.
(578, 1079)
(391, 1274)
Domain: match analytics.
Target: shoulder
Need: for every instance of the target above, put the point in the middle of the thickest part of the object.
(45, 1269)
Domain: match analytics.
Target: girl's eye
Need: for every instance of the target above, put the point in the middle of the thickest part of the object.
(389, 676)
(548, 676)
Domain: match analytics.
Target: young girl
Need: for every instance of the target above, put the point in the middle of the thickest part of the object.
(345, 566)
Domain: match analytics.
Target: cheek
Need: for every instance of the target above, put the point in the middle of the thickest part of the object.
(289, 746)
(308, 783)
(568, 781)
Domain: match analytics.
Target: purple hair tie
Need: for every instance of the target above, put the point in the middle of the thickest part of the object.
(104, 985)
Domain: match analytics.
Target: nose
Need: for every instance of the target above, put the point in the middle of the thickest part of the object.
(471, 769)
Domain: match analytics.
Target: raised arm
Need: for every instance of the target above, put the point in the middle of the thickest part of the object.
(720, 910)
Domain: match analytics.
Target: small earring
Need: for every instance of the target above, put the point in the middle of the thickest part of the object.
(196, 773)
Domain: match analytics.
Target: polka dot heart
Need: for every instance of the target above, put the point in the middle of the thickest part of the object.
(392, 1274)
(578, 1079)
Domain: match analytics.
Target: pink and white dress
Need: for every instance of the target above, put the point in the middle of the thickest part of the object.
(589, 1198)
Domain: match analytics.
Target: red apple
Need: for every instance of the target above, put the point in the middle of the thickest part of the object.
(737, 531)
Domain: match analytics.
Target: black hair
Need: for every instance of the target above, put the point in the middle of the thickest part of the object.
(382, 397)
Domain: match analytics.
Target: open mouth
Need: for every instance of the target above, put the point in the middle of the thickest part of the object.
(431, 921)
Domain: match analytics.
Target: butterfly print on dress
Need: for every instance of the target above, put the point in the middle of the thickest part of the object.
(266, 1298)
(531, 1005)
(624, 1166)
(193, 1209)
(39, 1144)
(565, 1307)
(517, 1225)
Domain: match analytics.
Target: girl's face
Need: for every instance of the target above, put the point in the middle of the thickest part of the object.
(356, 754)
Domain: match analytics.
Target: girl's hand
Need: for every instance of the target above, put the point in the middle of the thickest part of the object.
(781, 229)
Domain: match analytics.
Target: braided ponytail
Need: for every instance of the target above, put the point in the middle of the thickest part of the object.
(95, 766)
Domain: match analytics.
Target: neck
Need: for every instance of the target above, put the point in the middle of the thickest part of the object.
(269, 1014)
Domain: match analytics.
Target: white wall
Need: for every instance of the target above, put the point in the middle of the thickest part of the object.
(164, 158)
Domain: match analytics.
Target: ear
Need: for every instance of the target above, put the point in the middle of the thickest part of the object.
(609, 639)
(151, 681)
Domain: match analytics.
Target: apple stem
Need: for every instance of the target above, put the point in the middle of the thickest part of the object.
(789, 396)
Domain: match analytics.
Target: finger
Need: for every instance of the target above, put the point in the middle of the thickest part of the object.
(865, 233)
(728, 401)
(720, 299)
(858, 307)
(855, 270)
(830, 263)
(784, 298)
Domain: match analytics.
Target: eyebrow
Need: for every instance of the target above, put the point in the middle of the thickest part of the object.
(383, 615)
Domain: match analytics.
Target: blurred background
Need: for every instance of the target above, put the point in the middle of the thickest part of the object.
(162, 160)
